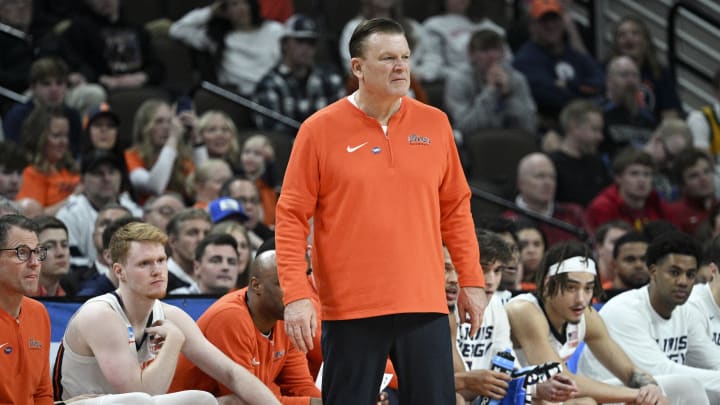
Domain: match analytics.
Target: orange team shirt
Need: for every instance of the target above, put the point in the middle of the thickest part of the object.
(382, 207)
(268, 197)
(227, 324)
(25, 356)
(47, 189)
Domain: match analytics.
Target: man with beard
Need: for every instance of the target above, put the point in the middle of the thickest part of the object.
(627, 121)
(550, 324)
(629, 262)
(656, 330)
(136, 349)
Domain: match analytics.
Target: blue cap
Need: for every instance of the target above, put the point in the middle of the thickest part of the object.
(224, 208)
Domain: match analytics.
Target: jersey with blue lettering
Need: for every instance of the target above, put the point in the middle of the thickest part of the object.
(674, 346)
(565, 345)
(702, 301)
(494, 336)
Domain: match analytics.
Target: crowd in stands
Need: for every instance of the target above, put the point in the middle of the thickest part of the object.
(630, 175)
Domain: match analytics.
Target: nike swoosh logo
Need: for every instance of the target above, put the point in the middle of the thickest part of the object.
(352, 149)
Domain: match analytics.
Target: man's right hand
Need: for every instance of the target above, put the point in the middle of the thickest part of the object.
(301, 323)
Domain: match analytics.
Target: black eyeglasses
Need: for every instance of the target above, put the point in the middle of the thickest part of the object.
(24, 252)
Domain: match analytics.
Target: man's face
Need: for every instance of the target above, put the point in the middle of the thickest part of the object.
(190, 234)
(537, 184)
(571, 302)
(247, 194)
(300, 52)
(102, 183)
(589, 133)
(451, 281)
(161, 210)
(623, 79)
(144, 271)
(57, 262)
(50, 91)
(16, 13)
(635, 181)
(217, 271)
(271, 295)
(548, 30)
(105, 218)
(384, 68)
(482, 59)
(15, 276)
(605, 250)
(493, 274)
(630, 265)
(10, 181)
(672, 279)
(699, 180)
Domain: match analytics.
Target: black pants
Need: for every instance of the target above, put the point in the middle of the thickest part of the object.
(355, 352)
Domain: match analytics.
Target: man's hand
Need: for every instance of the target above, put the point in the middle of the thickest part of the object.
(301, 323)
(164, 331)
(471, 305)
(488, 383)
(650, 394)
(558, 389)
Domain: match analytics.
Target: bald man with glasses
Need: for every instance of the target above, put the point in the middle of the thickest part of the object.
(24, 322)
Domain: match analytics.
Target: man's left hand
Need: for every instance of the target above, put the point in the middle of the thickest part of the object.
(471, 305)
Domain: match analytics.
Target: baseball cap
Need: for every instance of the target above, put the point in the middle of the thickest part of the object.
(225, 207)
(91, 160)
(539, 8)
(300, 26)
(102, 109)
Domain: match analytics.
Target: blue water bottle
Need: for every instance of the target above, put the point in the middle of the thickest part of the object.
(503, 362)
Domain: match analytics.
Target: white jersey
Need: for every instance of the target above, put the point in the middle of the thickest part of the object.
(706, 308)
(564, 345)
(675, 346)
(81, 374)
(492, 337)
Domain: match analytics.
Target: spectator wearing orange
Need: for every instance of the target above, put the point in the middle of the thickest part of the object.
(160, 159)
(53, 176)
(247, 326)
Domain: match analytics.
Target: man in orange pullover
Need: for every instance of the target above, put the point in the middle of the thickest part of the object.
(24, 322)
(380, 174)
(247, 326)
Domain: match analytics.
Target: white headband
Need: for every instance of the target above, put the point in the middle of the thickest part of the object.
(578, 264)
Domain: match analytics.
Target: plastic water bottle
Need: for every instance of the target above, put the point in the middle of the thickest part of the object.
(504, 363)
